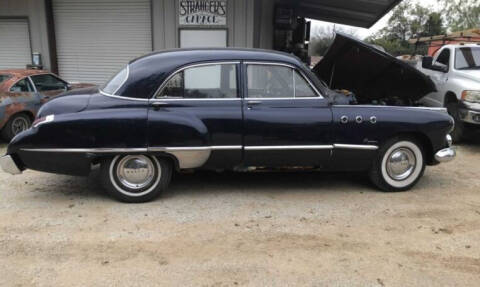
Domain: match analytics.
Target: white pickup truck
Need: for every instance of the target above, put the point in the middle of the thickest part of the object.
(455, 70)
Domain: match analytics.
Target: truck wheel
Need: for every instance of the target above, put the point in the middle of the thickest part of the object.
(135, 178)
(399, 165)
(459, 129)
(15, 125)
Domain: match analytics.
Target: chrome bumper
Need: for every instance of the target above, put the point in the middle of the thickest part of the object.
(445, 155)
(8, 165)
(469, 116)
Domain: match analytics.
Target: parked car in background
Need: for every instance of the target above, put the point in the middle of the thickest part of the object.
(455, 70)
(22, 92)
(225, 109)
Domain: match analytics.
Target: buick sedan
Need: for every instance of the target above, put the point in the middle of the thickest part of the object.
(225, 109)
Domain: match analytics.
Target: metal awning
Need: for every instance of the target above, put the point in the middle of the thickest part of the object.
(360, 13)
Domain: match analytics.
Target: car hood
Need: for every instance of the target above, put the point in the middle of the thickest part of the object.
(473, 75)
(370, 73)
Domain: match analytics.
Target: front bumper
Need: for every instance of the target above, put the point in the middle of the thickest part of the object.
(446, 154)
(470, 113)
(8, 165)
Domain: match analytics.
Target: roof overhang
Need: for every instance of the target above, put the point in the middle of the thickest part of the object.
(360, 13)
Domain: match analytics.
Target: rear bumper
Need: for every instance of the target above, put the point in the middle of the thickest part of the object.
(8, 165)
(445, 155)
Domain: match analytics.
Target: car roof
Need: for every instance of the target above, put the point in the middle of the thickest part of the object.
(16, 75)
(218, 54)
(146, 73)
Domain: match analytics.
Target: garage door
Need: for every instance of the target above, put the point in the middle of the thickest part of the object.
(96, 38)
(15, 49)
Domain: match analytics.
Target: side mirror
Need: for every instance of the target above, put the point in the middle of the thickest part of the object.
(68, 87)
(427, 62)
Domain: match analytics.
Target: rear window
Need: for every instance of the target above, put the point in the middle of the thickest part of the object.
(116, 81)
(4, 77)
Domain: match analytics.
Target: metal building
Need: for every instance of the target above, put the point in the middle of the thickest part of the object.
(87, 41)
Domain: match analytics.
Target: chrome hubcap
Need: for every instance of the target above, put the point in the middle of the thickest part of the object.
(401, 163)
(19, 125)
(135, 171)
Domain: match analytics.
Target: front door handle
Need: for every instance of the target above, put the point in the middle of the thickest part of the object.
(158, 104)
(253, 102)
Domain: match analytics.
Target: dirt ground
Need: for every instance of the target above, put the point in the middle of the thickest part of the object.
(309, 229)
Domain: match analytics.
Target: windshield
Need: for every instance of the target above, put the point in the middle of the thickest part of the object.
(4, 77)
(467, 58)
(116, 81)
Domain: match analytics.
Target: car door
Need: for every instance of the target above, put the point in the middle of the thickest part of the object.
(286, 120)
(197, 116)
(48, 86)
(23, 92)
(439, 78)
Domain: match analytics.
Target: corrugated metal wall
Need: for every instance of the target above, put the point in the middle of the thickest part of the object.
(15, 51)
(96, 38)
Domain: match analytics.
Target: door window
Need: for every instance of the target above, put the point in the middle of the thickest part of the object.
(273, 81)
(443, 58)
(47, 82)
(302, 88)
(216, 81)
(23, 85)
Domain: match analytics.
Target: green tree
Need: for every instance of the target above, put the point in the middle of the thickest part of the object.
(462, 14)
(408, 21)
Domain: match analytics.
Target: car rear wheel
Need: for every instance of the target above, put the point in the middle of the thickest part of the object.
(399, 165)
(136, 178)
(15, 125)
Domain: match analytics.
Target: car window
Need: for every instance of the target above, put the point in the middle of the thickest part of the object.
(116, 81)
(467, 58)
(4, 77)
(23, 85)
(269, 81)
(273, 81)
(302, 87)
(215, 81)
(47, 82)
(443, 58)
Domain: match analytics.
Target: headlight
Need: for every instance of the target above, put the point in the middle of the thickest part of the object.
(471, 96)
(43, 120)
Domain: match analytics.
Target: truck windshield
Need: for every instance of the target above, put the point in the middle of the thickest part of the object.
(467, 58)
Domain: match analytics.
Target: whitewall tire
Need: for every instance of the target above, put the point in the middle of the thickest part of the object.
(136, 178)
(399, 165)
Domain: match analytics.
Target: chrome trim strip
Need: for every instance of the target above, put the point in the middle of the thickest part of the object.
(162, 85)
(269, 99)
(290, 147)
(401, 107)
(31, 82)
(122, 98)
(86, 150)
(289, 66)
(355, 146)
(192, 99)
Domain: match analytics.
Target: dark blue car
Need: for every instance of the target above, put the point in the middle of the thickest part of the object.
(225, 109)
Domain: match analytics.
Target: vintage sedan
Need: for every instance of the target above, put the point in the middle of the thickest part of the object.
(225, 109)
(22, 92)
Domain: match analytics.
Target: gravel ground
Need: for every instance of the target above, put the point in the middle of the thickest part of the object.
(245, 229)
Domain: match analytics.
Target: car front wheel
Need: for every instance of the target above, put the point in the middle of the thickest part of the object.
(136, 178)
(399, 165)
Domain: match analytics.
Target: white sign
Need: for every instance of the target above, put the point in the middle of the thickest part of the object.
(202, 12)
